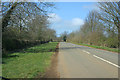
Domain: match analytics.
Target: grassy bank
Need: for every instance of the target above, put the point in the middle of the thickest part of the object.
(99, 47)
(29, 62)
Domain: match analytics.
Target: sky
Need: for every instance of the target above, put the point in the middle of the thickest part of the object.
(69, 16)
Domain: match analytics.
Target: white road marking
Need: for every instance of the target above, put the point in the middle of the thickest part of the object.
(86, 51)
(107, 61)
(103, 59)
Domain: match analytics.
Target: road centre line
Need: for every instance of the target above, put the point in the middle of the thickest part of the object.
(103, 59)
(107, 61)
(86, 52)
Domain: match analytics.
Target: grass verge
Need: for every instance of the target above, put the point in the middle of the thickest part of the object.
(99, 47)
(29, 62)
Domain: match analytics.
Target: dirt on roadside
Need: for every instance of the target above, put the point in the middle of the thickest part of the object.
(52, 71)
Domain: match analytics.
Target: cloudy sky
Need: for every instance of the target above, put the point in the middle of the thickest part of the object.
(69, 16)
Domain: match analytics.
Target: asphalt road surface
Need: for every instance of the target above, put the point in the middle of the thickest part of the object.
(75, 61)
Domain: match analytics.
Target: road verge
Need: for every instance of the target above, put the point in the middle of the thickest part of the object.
(52, 72)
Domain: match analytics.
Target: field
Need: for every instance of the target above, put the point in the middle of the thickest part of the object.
(29, 62)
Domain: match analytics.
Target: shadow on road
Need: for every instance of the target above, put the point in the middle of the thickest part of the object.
(63, 48)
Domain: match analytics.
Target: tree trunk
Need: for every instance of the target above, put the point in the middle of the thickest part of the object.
(6, 18)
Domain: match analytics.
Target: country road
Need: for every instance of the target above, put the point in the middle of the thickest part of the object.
(75, 61)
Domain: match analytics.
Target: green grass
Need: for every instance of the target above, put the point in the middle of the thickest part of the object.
(29, 62)
(99, 47)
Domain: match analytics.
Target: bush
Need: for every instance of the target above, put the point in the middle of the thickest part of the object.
(112, 42)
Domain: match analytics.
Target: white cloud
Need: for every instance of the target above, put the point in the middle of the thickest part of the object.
(92, 6)
(54, 18)
(61, 25)
(77, 22)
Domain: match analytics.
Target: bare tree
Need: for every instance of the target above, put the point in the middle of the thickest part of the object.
(109, 13)
(21, 12)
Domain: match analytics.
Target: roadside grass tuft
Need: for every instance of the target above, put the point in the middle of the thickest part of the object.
(29, 62)
(99, 47)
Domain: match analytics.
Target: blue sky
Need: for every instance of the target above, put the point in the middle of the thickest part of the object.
(69, 16)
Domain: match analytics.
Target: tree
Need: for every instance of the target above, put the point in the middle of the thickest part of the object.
(110, 17)
(92, 29)
(100, 27)
(110, 14)
(22, 12)
(64, 36)
(25, 21)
